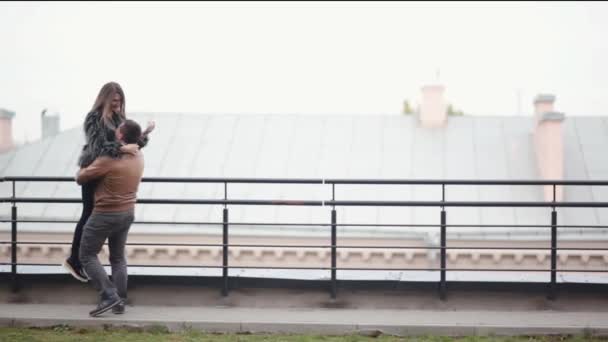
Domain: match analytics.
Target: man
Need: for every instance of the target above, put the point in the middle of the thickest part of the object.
(112, 216)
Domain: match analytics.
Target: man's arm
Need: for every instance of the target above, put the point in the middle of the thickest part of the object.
(99, 168)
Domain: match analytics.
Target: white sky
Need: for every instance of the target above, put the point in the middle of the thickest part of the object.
(299, 57)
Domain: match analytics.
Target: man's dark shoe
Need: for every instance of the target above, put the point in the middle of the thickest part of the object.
(119, 309)
(106, 303)
(75, 270)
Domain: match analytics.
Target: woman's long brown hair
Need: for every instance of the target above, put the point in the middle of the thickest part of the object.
(104, 101)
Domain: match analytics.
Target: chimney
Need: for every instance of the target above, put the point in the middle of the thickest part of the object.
(50, 124)
(6, 130)
(549, 144)
(543, 103)
(433, 109)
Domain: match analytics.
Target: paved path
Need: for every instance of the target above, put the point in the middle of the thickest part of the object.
(314, 320)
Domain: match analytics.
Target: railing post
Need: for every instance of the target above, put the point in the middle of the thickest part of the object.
(442, 284)
(225, 255)
(553, 285)
(334, 287)
(225, 247)
(14, 275)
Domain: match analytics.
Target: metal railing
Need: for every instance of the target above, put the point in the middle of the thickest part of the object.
(441, 204)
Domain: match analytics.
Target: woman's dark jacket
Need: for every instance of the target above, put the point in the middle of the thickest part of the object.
(100, 139)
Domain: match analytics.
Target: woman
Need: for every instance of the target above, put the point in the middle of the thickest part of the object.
(107, 113)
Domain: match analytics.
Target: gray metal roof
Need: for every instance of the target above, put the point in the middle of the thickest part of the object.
(332, 146)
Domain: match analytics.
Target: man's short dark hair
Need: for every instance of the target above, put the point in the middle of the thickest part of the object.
(131, 131)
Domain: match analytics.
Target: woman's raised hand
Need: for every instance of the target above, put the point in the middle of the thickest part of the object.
(150, 128)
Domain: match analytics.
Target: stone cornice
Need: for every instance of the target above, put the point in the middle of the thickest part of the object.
(419, 257)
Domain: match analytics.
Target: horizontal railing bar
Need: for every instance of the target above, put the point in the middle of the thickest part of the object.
(348, 268)
(466, 269)
(234, 180)
(329, 224)
(330, 181)
(420, 269)
(181, 180)
(218, 245)
(464, 182)
(344, 268)
(136, 265)
(337, 203)
(353, 268)
(176, 201)
(187, 266)
(128, 244)
(467, 204)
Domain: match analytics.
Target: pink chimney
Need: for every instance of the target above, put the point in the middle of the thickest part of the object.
(6, 130)
(433, 109)
(549, 144)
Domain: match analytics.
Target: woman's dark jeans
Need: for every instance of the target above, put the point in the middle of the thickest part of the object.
(88, 203)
